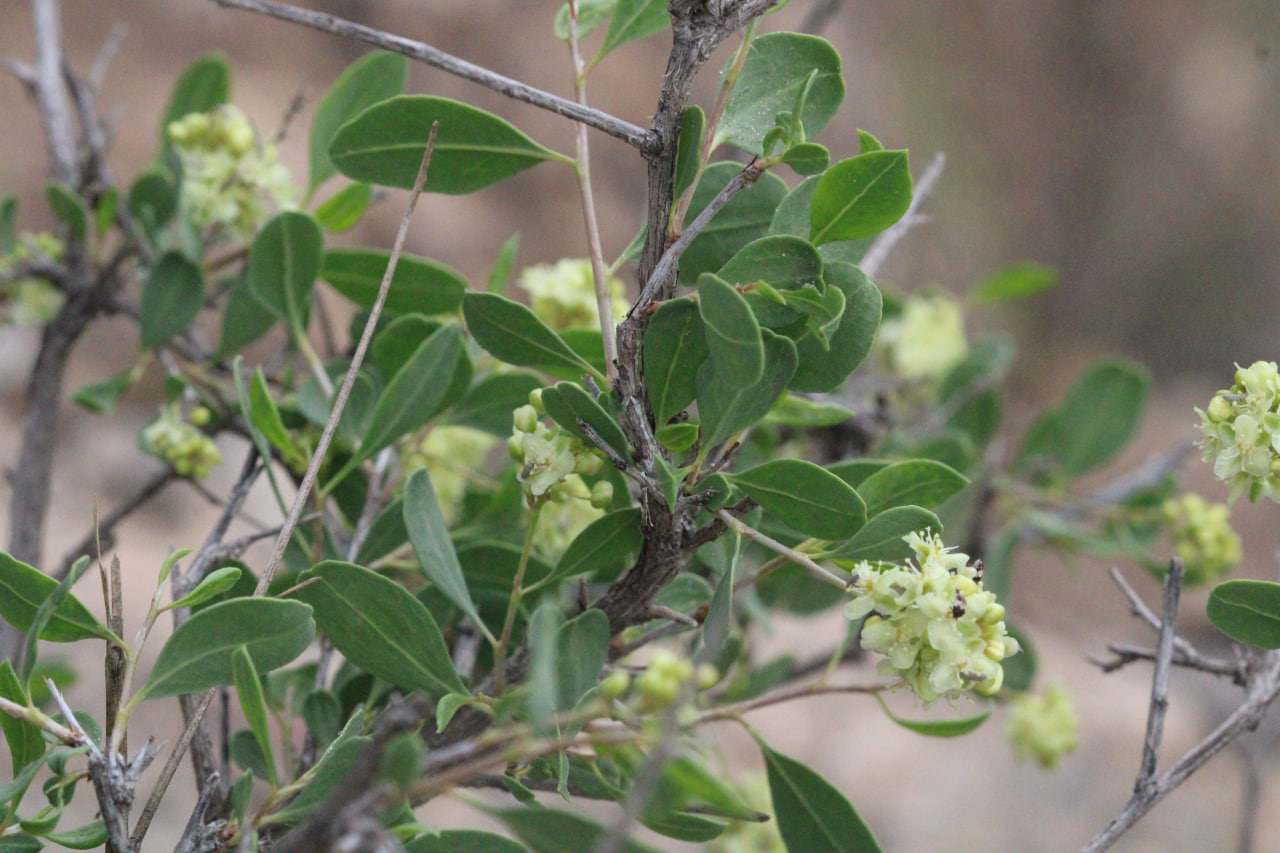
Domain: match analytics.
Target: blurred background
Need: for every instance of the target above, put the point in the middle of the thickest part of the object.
(1133, 146)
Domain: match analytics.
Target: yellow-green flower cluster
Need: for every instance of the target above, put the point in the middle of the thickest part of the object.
(1043, 727)
(938, 628)
(1202, 537)
(549, 455)
(927, 339)
(1241, 432)
(230, 180)
(452, 455)
(664, 679)
(30, 301)
(182, 445)
(563, 294)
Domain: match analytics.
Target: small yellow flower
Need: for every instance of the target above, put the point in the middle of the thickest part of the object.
(927, 339)
(1043, 728)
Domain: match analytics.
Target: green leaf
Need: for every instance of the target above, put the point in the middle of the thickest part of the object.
(284, 261)
(677, 438)
(8, 214)
(334, 765)
(812, 814)
(807, 158)
(323, 715)
(463, 841)
(172, 296)
(860, 197)
(1247, 611)
(777, 67)
(674, 347)
(796, 411)
(20, 844)
(385, 143)
(430, 537)
(552, 831)
(634, 19)
(582, 648)
(25, 742)
(725, 410)
(503, 264)
(917, 482)
(380, 627)
(198, 654)
(23, 589)
(490, 402)
(1096, 420)
(1017, 281)
(342, 210)
(202, 87)
(153, 199)
(947, 727)
(102, 397)
(69, 209)
(805, 496)
(491, 566)
(745, 218)
(511, 332)
(733, 335)
(370, 79)
(254, 705)
(792, 217)
(591, 14)
(244, 320)
(87, 837)
(689, 150)
(567, 403)
(266, 416)
(605, 543)
(783, 263)
(415, 394)
(881, 537)
(214, 584)
(825, 369)
(419, 286)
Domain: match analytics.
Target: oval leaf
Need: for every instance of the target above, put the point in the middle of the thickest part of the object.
(380, 627)
(430, 537)
(568, 403)
(253, 702)
(23, 589)
(806, 496)
(949, 727)
(917, 482)
(419, 286)
(463, 841)
(881, 538)
(745, 218)
(812, 814)
(415, 394)
(552, 831)
(606, 543)
(777, 67)
(171, 298)
(513, 333)
(725, 410)
(284, 261)
(198, 654)
(385, 143)
(860, 197)
(368, 80)
(674, 347)
(634, 19)
(733, 335)
(1247, 611)
(823, 369)
(342, 210)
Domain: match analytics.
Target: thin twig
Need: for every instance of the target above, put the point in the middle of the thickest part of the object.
(778, 548)
(1126, 654)
(815, 688)
(1139, 608)
(357, 359)
(885, 243)
(60, 136)
(1160, 675)
(667, 263)
(171, 766)
(637, 137)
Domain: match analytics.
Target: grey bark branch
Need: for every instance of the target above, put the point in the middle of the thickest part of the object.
(60, 136)
(631, 134)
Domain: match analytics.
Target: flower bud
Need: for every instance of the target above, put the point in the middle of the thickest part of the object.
(587, 463)
(615, 684)
(1219, 410)
(535, 400)
(525, 419)
(602, 494)
(200, 416)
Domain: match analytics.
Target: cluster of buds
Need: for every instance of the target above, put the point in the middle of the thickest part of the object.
(452, 455)
(938, 628)
(1043, 727)
(1241, 432)
(926, 340)
(662, 682)
(181, 443)
(1202, 536)
(549, 457)
(563, 294)
(230, 180)
(29, 300)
